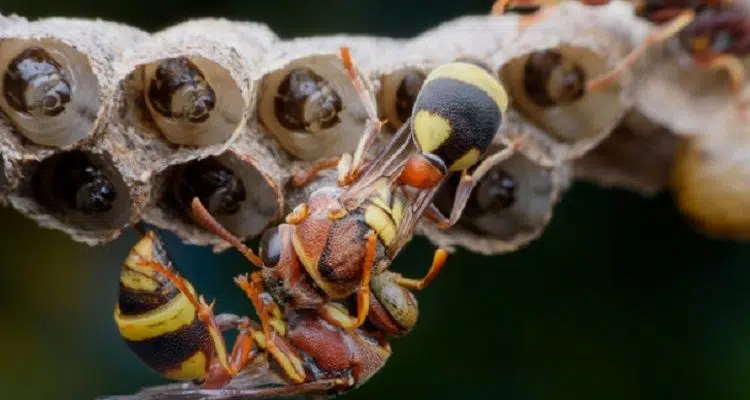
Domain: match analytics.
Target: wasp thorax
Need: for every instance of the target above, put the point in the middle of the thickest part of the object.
(551, 80)
(217, 187)
(34, 84)
(179, 90)
(305, 102)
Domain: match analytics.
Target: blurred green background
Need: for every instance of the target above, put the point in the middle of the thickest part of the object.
(618, 300)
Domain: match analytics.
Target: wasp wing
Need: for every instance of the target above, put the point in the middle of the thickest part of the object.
(256, 381)
(387, 164)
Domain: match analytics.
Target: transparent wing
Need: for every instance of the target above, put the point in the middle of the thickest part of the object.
(257, 381)
(387, 164)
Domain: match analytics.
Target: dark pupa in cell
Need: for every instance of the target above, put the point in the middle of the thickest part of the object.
(189, 101)
(217, 187)
(178, 90)
(229, 186)
(81, 188)
(310, 105)
(508, 208)
(551, 105)
(34, 84)
(551, 80)
(398, 93)
(48, 91)
(305, 102)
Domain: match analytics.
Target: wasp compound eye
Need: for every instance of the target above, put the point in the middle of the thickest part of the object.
(270, 247)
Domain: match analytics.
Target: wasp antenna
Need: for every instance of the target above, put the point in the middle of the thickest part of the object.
(201, 214)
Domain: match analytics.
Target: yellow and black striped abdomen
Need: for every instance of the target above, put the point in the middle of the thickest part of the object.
(156, 320)
(384, 212)
(457, 113)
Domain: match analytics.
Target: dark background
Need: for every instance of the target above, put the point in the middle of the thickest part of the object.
(618, 300)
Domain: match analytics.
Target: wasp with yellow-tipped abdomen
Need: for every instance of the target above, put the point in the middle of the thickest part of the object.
(331, 246)
(292, 351)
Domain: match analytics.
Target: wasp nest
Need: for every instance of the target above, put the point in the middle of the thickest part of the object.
(509, 207)
(56, 80)
(546, 70)
(688, 99)
(102, 125)
(637, 155)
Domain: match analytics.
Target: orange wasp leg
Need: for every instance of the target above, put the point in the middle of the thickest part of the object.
(210, 223)
(676, 25)
(275, 344)
(244, 342)
(302, 178)
(372, 126)
(332, 315)
(438, 262)
(466, 186)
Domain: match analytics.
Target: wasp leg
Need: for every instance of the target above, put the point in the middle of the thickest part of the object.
(438, 262)
(304, 177)
(210, 223)
(499, 7)
(467, 182)
(373, 125)
(609, 78)
(230, 364)
(270, 317)
(736, 70)
(298, 214)
(333, 315)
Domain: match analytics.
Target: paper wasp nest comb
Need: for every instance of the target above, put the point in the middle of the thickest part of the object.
(546, 70)
(56, 77)
(683, 93)
(637, 156)
(185, 100)
(307, 101)
(510, 206)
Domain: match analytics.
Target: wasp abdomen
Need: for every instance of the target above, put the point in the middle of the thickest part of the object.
(156, 320)
(457, 113)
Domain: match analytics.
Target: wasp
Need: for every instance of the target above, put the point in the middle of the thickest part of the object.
(337, 247)
(331, 246)
(172, 329)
